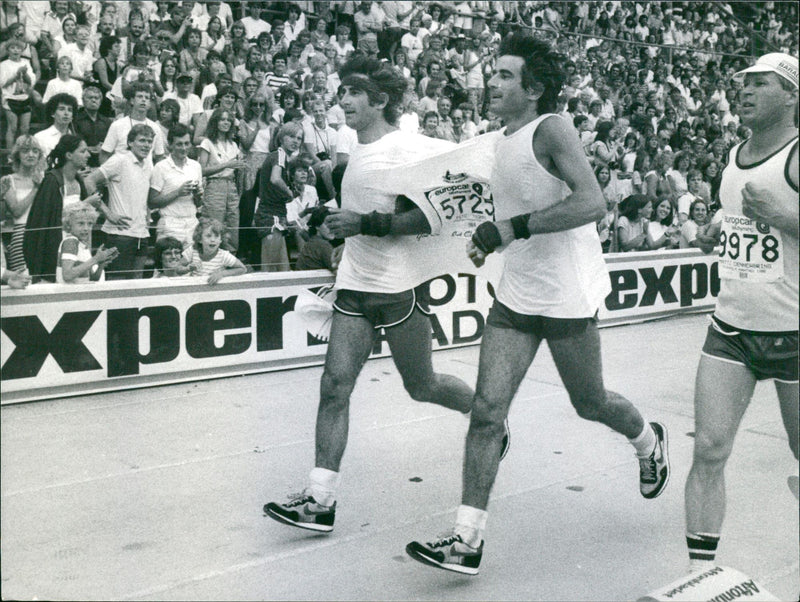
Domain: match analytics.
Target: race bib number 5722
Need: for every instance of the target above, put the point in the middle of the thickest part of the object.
(750, 250)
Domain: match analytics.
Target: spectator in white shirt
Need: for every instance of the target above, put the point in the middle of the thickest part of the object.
(64, 82)
(176, 189)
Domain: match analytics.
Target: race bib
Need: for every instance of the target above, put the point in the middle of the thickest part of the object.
(750, 250)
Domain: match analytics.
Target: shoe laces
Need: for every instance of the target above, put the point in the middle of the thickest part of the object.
(298, 499)
(445, 540)
(647, 468)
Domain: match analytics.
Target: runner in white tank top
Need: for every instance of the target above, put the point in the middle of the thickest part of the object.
(753, 333)
(547, 201)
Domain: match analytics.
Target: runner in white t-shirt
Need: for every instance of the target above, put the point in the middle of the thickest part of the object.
(376, 288)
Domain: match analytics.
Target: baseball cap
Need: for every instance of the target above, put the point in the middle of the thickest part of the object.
(783, 64)
(184, 76)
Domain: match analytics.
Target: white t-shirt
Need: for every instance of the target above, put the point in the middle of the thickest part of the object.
(168, 177)
(117, 136)
(57, 86)
(128, 182)
(190, 106)
(220, 152)
(371, 263)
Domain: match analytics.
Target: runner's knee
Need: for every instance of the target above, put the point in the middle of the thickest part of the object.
(712, 449)
(486, 414)
(335, 388)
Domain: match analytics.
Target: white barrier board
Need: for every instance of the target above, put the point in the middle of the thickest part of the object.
(61, 340)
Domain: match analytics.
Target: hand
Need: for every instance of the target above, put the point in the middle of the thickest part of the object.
(115, 219)
(105, 256)
(215, 276)
(85, 172)
(186, 188)
(475, 255)
(236, 164)
(343, 223)
(18, 280)
(93, 199)
(491, 236)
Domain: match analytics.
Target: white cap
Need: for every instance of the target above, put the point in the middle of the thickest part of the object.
(784, 65)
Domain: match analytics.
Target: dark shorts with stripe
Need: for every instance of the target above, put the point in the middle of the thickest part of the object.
(766, 355)
(383, 310)
(501, 316)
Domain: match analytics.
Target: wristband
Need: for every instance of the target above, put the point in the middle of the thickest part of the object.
(520, 225)
(376, 224)
(487, 237)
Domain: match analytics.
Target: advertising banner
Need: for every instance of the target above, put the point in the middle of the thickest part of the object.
(58, 340)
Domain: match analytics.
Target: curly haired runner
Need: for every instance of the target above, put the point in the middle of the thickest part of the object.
(553, 283)
(376, 286)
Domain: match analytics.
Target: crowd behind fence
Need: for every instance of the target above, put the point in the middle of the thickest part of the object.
(222, 87)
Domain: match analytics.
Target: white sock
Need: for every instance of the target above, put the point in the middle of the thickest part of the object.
(324, 484)
(645, 443)
(470, 524)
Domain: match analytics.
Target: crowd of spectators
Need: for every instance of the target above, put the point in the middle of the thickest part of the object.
(161, 116)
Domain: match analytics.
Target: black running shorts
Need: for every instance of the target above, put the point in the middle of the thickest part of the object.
(383, 310)
(772, 355)
(501, 316)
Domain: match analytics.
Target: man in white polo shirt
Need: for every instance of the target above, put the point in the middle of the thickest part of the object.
(176, 184)
(127, 175)
(140, 95)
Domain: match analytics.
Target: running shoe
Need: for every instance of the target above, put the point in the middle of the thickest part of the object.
(303, 511)
(449, 553)
(506, 442)
(654, 469)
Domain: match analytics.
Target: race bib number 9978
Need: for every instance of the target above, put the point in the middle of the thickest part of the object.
(750, 250)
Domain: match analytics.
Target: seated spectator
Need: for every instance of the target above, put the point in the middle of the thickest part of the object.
(695, 180)
(634, 217)
(76, 264)
(605, 149)
(681, 164)
(663, 231)
(209, 259)
(430, 125)
(693, 229)
(170, 258)
(318, 252)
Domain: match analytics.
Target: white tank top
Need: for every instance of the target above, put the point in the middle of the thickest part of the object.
(759, 291)
(558, 275)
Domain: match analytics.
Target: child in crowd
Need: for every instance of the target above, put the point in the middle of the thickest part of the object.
(208, 258)
(76, 264)
(64, 82)
(169, 259)
(16, 80)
